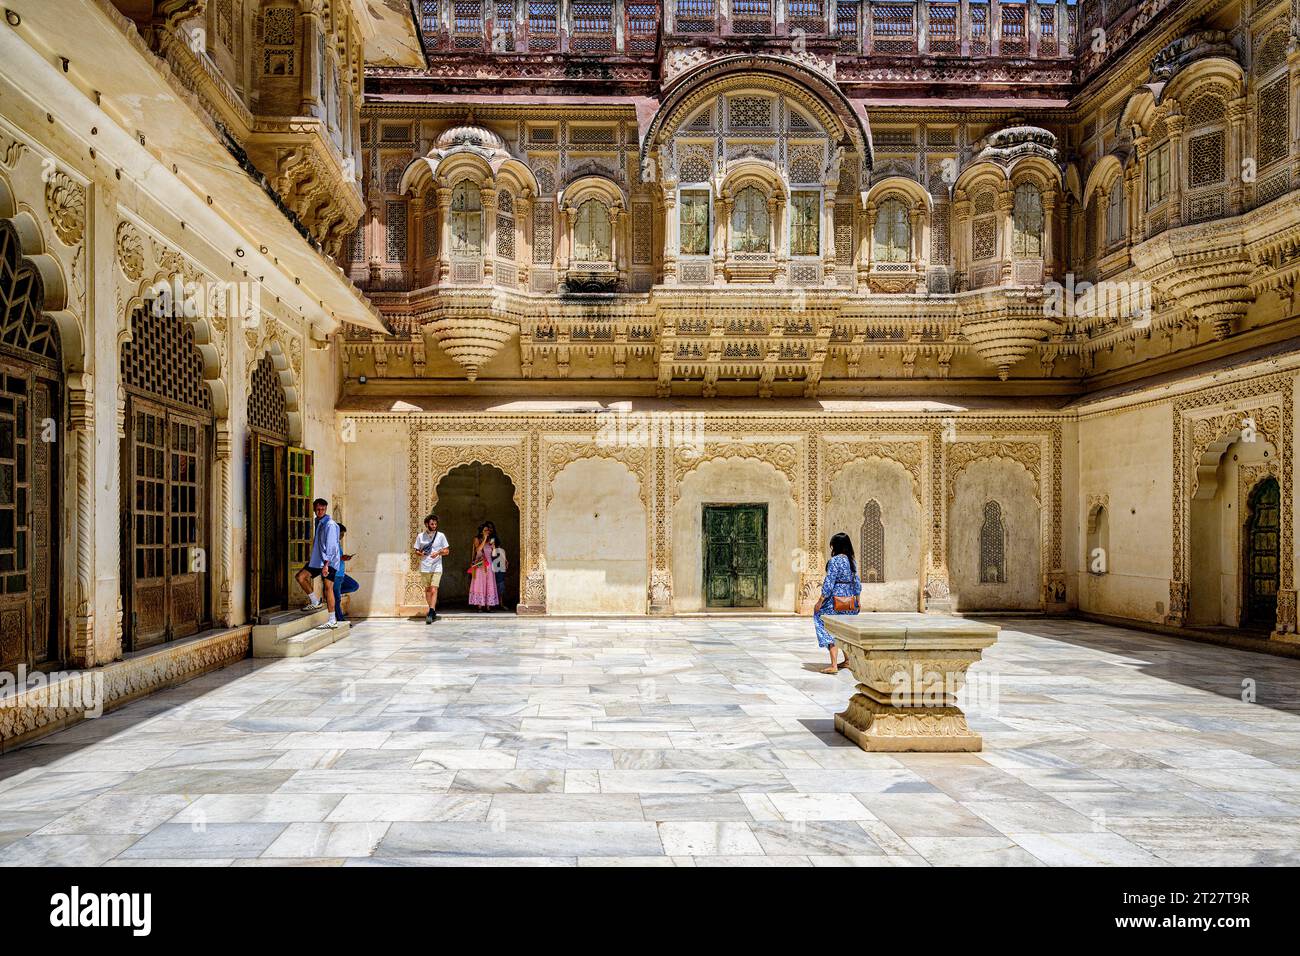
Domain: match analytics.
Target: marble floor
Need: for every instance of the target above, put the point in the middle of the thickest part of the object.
(704, 741)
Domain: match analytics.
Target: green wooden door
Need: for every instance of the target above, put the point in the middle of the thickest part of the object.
(735, 555)
(1262, 555)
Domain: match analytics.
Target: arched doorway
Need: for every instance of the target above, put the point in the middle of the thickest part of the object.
(1262, 556)
(467, 496)
(279, 493)
(166, 476)
(31, 429)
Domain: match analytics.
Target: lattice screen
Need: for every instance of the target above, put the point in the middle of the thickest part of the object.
(25, 327)
(871, 549)
(543, 231)
(266, 409)
(162, 360)
(993, 546)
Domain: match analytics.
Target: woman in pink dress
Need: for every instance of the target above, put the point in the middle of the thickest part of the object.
(483, 584)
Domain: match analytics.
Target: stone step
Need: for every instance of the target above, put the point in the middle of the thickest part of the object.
(295, 633)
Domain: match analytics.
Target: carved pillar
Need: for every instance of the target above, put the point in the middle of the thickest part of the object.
(489, 203)
(670, 235)
(916, 232)
(81, 431)
(827, 235)
(225, 523)
(119, 632)
(936, 596)
(870, 233)
(567, 216)
(533, 563)
(524, 217)
(416, 252)
(1132, 223)
(1237, 149)
(862, 251)
(311, 66)
(1174, 123)
(442, 195)
(1049, 231)
(1005, 205)
(375, 243)
(721, 233)
(661, 565)
(1138, 214)
(961, 209)
(1293, 102)
(618, 248)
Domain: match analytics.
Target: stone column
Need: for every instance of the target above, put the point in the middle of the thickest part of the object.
(661, 523)
(721, 232)
(1238, 112)
(617, 248)
(532, 580)
(1005, 205)
(309, 15)
(442, 195)
(1131, 207)
(1293, 102)
(224, 531)
(916, 225)
(1049, 245)
(1174, 123)
(827, 234)
(670, 236)
(871, 233)
(567, 215)
(1138, 211)
(489, 203)
(81, 434)
(524, 219)
(961, 209)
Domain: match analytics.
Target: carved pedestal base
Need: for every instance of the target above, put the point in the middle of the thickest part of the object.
(879, 726)
(910, 668)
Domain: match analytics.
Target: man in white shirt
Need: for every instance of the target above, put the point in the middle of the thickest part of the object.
(431, 545)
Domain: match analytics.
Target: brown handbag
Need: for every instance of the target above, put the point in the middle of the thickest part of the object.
(846, 605)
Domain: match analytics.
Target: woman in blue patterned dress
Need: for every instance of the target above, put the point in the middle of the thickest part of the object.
(841, 581)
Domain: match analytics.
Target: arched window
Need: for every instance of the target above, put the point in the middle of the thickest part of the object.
(505, 226)
(1115, 213)
(1027, 221)
(591, 232)
(31, 401)
(871, 544)
(993, 546)
(893, 236)
(166, 469)
(466, 220)
(750, 223)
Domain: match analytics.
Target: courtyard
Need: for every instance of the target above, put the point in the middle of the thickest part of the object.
(685, 741)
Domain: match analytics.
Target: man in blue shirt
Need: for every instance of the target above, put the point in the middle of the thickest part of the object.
(323, 563)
